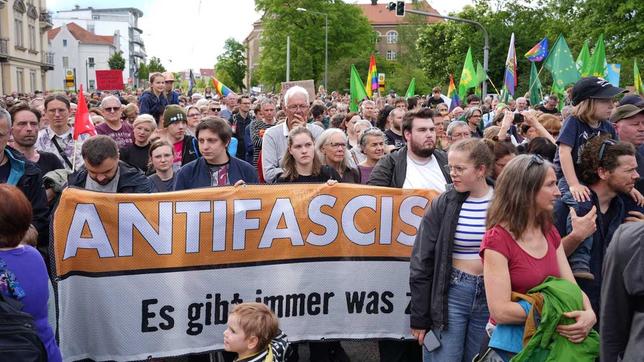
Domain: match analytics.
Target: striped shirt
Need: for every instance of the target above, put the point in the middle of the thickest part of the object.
(470, 227)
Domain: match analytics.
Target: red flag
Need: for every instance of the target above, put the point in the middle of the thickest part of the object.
(82, 123)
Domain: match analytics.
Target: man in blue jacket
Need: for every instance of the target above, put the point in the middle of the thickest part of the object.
(215, 167)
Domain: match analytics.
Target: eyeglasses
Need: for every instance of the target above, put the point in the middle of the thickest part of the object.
(456, 170)
(215, 109)
(337, 145)
(112, 109)
(536, 160)
(297, 107)
(604, 147)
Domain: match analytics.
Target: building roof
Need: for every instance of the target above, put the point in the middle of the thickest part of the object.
(82, 35)
(207, 72)
(379, 15)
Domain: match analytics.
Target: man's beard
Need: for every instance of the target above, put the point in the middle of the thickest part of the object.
(419, 151)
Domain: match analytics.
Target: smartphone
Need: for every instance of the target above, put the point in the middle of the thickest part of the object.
(431, 342)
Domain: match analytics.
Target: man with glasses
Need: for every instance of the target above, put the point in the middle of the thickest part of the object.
(114, 127)
(275, 142)
(214, 109)
(239, 121)
(609, 171)
(170, 94)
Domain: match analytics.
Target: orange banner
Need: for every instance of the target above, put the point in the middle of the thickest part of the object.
(227, 226)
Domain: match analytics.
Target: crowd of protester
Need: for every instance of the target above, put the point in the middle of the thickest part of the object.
(531, 196)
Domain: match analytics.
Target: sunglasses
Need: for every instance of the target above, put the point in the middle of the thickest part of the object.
(604, 147)
(112, 109)
(215, 109)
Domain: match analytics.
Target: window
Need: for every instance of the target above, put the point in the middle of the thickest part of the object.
(90, 28)
(377, 35)
(96, 17)
(65, 62)
(20, 80)
(32, 80)
(32, 37)
(65, 42)
(392, 37)
(391, 55)
(90, 61)
(92, 84)
(18, 32)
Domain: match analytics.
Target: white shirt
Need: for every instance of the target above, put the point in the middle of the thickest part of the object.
(424, 176)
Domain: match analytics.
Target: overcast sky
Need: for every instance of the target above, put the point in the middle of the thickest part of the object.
(191, 33)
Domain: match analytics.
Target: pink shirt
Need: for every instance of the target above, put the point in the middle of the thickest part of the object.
(526, 271)
(178, 152)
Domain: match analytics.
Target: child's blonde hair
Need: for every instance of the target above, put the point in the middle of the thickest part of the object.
(586, 111)
(256, 319)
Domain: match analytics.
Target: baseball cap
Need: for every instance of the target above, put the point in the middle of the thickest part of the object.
(625, 111)
(593, 87)
(168, 76)
(630, 99)
(174, 113)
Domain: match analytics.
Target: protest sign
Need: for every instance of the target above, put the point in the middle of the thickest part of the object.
(157, 274)
(109, 79)
(309, 85)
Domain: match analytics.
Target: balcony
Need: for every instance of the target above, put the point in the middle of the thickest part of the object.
(47, 61)
(45, 20)
(4, 50)
(138, 54)
(136, 38)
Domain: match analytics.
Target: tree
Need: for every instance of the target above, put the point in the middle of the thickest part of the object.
(116, 61)
(155, 65)
(233, 63)
(143, 72)
(350, 37)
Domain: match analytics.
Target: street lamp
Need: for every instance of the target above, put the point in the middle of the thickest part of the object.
(326, 43)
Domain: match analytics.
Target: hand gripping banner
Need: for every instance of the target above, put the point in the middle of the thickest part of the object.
(157, 274)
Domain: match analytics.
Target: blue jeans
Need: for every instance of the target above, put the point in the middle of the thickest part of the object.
(580, 258)
(467, 315)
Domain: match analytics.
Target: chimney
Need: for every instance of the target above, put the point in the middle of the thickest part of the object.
(76, 7)
(374, 2)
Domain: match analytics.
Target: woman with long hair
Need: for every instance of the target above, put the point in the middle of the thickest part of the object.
(331, 148)
(446, 273)
(522, 248)
(301, 163)
(348, 124)
(153, 100)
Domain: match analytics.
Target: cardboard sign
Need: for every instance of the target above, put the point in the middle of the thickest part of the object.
(309, 85)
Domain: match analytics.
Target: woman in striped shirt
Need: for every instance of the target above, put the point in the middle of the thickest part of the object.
(446, 272)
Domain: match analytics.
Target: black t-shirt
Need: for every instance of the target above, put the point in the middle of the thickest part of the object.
(393, 139)
(326, 173)
(434, 102)
(48, 162)
(4, 171)
(136, 156)
(160, 185)
(543, 109)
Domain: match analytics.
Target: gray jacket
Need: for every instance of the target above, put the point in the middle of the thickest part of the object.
(622, 296)
(430, 265)
(391, 170)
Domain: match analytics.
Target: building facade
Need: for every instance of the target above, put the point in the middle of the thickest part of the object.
(120, 21)
(80, 52)
(24, 55)
(386, 26)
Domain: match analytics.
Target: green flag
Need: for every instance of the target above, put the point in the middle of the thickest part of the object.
(411, 90)
(583, 60)
(637, 80)
(481, 77)
(535, 85)
(468, 76)
(562, 66)
(357, 90)
(598, 65)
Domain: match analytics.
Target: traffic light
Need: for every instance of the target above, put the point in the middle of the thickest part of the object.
(398, 6)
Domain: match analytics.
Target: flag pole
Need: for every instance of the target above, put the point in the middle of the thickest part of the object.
(493, 86)
(74, 157)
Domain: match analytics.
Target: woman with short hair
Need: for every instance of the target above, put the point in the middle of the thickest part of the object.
(372, 144)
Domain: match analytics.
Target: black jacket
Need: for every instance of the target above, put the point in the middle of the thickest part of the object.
(391, 170)
(431, 260)
(131, 180)
(152, 105)
(190, 150)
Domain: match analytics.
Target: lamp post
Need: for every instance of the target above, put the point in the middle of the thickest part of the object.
(326, 43)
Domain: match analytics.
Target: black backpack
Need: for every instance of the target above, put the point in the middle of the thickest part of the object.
(19, 340)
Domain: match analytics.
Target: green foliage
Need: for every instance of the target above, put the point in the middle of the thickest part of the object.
(442, 47)
(116, 61)
(231, 65)
(143, 72)
(350, 38)
(154, 65)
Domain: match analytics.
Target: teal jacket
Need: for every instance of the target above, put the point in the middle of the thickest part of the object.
(560, 296)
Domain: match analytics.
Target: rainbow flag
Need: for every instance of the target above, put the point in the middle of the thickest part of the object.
(510, 79)
(372, 78)
(453, 94)
(221, 88)
(538, 52)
